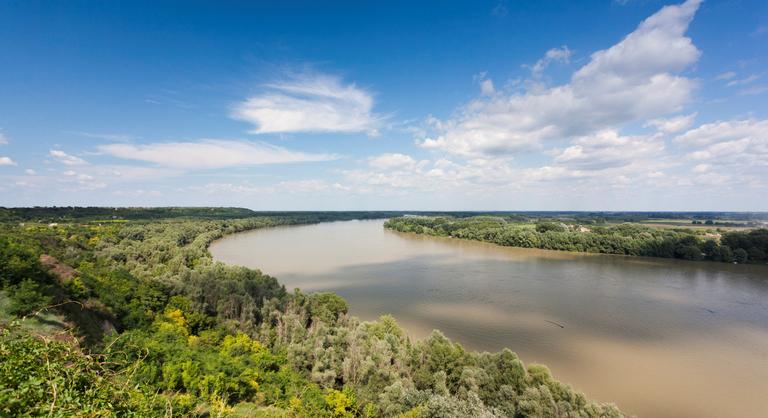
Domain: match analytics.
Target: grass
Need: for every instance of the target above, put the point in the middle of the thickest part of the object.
(46, 323)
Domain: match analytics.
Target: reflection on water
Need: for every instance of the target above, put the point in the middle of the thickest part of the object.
(658, 337)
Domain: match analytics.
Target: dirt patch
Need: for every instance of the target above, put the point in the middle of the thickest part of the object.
(91, 318)
(62, 271)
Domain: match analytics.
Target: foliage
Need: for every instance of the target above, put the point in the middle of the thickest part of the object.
(27, 297)
(165, 329)
(39, 376)
(625, 238)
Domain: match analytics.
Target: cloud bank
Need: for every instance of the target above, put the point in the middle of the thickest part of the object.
(634, 80)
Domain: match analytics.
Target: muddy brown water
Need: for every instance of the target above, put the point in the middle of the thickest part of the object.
(660, 338)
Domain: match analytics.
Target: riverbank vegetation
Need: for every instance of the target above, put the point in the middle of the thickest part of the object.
(134, 318)
(589, 235)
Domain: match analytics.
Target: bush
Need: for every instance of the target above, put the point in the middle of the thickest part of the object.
(27, 297)
(40, 377)
(327, 307)
(740, 255)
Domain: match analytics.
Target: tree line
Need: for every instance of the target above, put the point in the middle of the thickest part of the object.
(625, 238)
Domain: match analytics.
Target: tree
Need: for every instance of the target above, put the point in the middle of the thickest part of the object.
(740, 255)
(689, 252)
(27, 297)
(710, 249)
(756, 254)
(725, 254)
(327, 307)
(546, 226)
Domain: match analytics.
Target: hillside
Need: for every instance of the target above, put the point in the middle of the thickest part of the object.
(121, 318)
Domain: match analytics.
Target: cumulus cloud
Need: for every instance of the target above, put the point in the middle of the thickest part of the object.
(672, 125)
(389, 161)
(729, 151)
(633, 80)
(65, 158)
(209, 154)
(474, 176)
(598, 160)
(486, 84)
(310, 103)
(607, 149)
(486, 87)
(562, 54)
(726, 131)
(73, 180)
(6, 161)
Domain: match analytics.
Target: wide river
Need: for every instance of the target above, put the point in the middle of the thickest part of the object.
(660, 338)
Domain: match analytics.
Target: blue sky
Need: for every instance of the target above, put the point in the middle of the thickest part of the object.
(497, 105)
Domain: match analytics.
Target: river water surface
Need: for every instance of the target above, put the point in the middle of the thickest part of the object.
(658, 337)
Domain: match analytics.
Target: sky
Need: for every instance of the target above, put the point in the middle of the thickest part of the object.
(401, 105)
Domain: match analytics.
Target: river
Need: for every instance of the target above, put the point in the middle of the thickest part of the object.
(660, 338)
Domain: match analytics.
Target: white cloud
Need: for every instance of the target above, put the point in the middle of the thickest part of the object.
(726, 75)
(6, 161)
(129, 173)
(633, 80)
(607, 149)
(209, 154)
(673, 124)
(76, 181)
(3, 139)
(310, 103)
(562, 54)
(230, 189)
(486, 84)
(743, 81)
(311, 186)
(66, 159)
(717, 132)
(473, 176)
(106, 136)
(701, 168)
(753, 91)
(486, 87)
(737, 147)
(138, 193)
(389, 161)
(92, 177)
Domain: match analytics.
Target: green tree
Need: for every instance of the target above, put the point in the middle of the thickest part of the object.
(740, 255)
(27, 297)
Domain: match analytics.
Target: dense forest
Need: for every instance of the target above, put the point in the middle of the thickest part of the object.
(133, 318)
(744, 246)
(121, 214)
(118, 214)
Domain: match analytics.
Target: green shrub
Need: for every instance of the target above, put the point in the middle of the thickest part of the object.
(27, 297)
